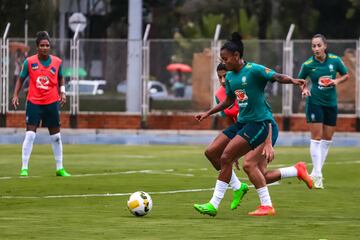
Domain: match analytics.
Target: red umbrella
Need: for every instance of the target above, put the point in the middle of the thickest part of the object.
(179, 67)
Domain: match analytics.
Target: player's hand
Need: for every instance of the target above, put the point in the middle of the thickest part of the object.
(333, 83)
(268, 152)
(300, 82)
(62, 99)
(305, 92)
(201, 116)
(236, 163)
(15, 101)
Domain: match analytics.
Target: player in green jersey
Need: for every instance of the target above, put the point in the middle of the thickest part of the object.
(321, 106)
(245, 82)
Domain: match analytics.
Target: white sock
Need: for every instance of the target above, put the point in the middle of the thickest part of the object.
(288, 172)
(324, 145)
(315, 152)
(264, 196)
(234, 183)
(219, 192)
(27, 148)
(57, 150)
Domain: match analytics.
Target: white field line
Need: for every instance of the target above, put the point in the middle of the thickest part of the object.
(171, 171)
(167, 172)
(136, 156)
(117, 194)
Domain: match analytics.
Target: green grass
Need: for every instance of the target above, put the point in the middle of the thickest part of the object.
(332, 213)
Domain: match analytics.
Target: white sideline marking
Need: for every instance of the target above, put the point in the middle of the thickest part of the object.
(167, 171)
(117, 194)
(171, 171)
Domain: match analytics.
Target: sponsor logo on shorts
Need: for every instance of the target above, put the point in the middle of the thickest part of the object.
(312, 116)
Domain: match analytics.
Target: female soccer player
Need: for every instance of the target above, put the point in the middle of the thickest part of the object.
(321, 106)
(231, 112)
(245, 82)
(215, 149)
(45, 73)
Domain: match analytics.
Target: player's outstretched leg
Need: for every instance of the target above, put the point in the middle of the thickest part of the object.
(239, 195)
(303, 174)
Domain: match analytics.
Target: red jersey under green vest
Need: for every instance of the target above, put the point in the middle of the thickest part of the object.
(44, 82)
(233, 110)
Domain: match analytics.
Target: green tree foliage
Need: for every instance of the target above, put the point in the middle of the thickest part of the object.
(41, 15)
(247, 26)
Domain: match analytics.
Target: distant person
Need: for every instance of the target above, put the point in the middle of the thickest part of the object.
(321, 106)
(45, 81)
(178, 85)
(17, 65)
(253, 130)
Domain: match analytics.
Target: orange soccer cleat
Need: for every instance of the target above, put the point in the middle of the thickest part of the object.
(303, 174)
(263, 211)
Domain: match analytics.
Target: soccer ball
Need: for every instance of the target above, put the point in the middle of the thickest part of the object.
(139, 203)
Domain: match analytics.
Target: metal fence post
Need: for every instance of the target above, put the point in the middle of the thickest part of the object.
(4, 77)
(357, 86)
(215, 48)
(145, 75)
(287, 97)
(74, 63)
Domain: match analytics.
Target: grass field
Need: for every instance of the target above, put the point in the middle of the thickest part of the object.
(92, 203)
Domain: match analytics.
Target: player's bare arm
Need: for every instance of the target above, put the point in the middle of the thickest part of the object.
(219, 107)
(15, 98)
(62, 91)
(341, 79)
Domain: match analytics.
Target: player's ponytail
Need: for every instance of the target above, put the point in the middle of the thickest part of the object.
(235, 44)
(237, 39)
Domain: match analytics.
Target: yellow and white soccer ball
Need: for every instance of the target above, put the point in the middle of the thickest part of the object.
(140, 203)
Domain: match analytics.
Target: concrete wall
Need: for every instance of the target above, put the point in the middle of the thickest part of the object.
(296, 123)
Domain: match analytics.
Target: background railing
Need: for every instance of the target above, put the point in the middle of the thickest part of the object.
(103, 64)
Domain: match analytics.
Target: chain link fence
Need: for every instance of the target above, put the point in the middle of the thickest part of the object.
(103, 72)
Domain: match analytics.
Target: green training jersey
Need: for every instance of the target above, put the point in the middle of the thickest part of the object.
(317, 71)
(247, 86)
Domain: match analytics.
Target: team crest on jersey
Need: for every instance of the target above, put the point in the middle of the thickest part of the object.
(42, 82)
(241, 95)
(243, 81)
(267, 70)
(53, 70)
(34, 66)
(331, 67)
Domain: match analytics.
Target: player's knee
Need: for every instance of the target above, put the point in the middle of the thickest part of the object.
(247, 166)
(225, 160)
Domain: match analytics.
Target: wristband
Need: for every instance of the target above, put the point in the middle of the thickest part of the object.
(62, 89)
